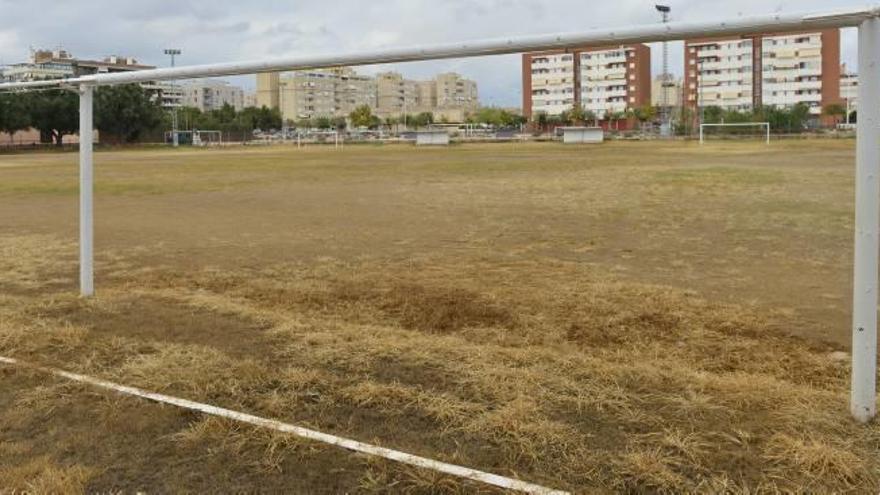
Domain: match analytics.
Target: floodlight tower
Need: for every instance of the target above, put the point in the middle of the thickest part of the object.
(665, 10)
(173, 53)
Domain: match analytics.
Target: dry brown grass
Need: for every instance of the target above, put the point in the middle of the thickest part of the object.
(521, 362)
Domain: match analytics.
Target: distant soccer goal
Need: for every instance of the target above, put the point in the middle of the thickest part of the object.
(737, 131)
(207, 138)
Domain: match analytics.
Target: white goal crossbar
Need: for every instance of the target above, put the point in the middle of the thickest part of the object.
(703, 128)
(867, 222)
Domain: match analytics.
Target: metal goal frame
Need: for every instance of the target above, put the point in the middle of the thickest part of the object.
(867, 222)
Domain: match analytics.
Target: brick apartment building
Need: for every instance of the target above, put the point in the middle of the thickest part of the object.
(602, 80)
(748, 72)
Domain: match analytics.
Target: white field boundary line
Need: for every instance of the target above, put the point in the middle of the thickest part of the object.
(352, 445)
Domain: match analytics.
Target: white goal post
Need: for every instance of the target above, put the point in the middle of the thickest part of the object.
(738, 125)
(207, 138)
(867, 222)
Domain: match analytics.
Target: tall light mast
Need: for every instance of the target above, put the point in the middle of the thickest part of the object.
(665, 127)
(173, 53)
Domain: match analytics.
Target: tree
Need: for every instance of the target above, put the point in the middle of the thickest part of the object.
(262, 118)
(590, 116)
(339, 123)
(421, 120)
(55, 113)
(542, 120)
(497, 117)
(126, 112)
(14, 115)
(362, 116)
(646, 113)
(323, 123)
(791, 120)
(616, 117)
(226, 114)
(835, 110)
(576, 115)
(712, 115)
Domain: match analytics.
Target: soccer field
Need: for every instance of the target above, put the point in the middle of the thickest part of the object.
(626, 317)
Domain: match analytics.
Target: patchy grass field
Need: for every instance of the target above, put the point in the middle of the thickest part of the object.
(633, 317)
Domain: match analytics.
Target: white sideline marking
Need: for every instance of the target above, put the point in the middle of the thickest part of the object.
(353, 445)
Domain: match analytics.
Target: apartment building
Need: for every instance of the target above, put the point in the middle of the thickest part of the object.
(338, 92)
(269, 90)
(774, 70)
(397, 95)
(320, 93)
(61, 64)
(170, 95)
(207, 95)
(451, 91)
(548, 83)
(602, 80)
(306, 95)
(354, 90)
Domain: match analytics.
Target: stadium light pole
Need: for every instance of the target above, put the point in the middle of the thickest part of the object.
(173, 53)
(867, 244)
(665, 11)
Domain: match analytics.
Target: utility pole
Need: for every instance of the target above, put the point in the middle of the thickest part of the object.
(173, 53)
(665, 126)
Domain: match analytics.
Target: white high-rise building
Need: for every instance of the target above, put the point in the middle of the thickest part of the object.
(764, 70)
(603, 81)
(552, 83)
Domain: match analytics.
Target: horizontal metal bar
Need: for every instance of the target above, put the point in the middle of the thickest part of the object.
(775, 23)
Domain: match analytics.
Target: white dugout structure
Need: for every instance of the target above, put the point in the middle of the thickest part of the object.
(867, 226)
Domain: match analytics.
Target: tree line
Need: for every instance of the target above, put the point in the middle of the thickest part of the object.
(794, 119)
(128, 113)
(791, 120)
(363, 117)
(123, 113)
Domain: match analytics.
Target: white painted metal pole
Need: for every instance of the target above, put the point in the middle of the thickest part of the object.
(702, 139)
(768, 134)
(867, 246)
(86, 192)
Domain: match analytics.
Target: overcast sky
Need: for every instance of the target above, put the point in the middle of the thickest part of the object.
(227, 30)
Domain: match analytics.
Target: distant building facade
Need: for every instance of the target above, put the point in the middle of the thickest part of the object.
(338, 92)
(745, 73)
(666, 92)
(207, 95)
(604, 81)
(61, 64)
